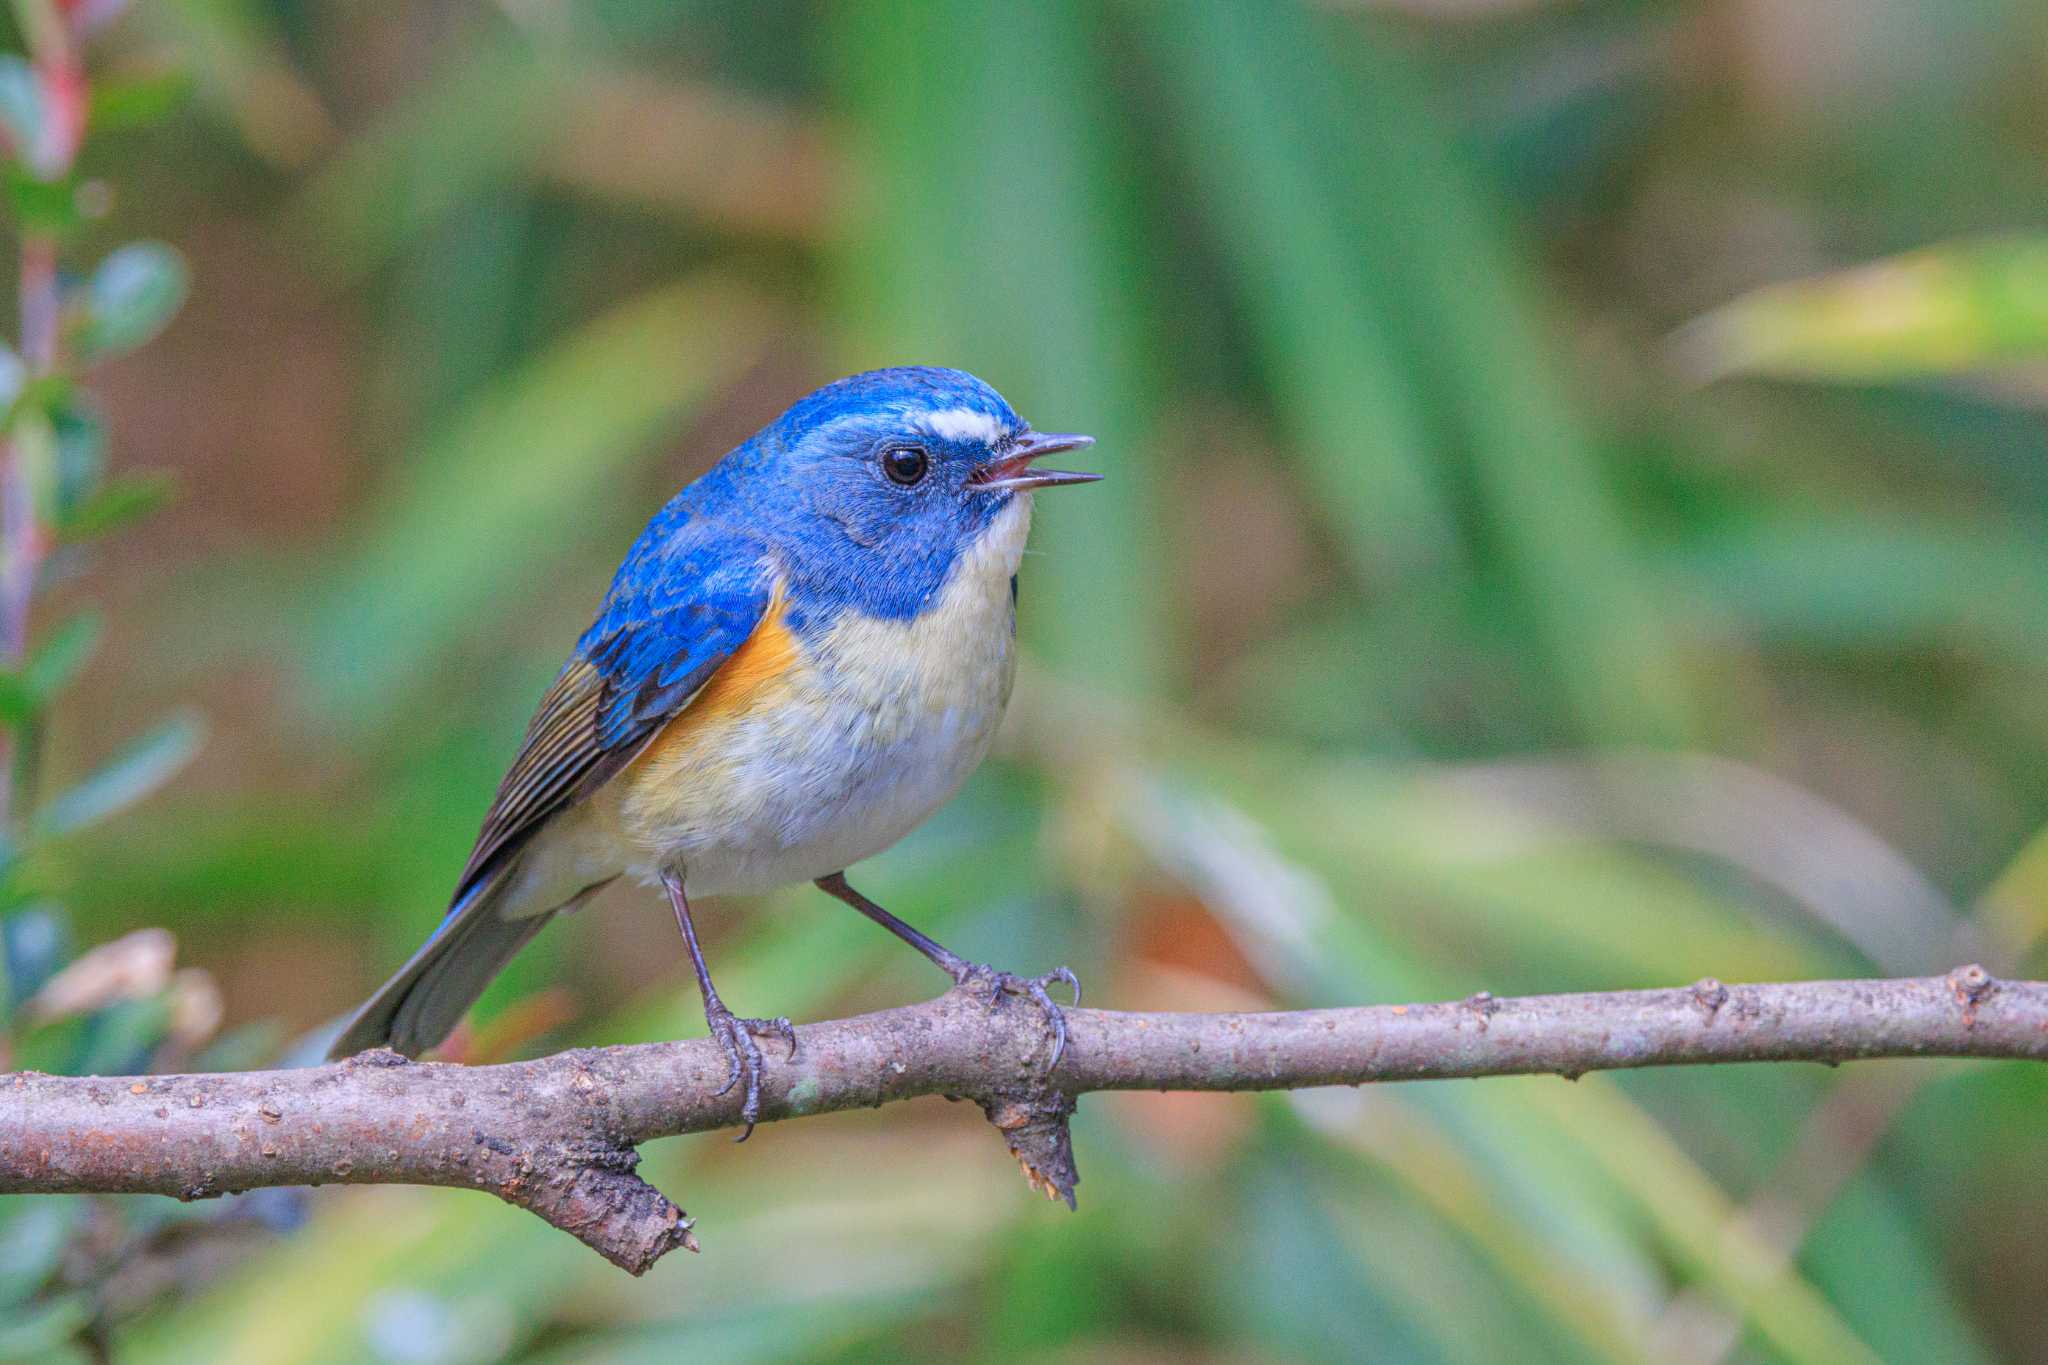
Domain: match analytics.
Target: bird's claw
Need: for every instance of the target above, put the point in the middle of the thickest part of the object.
(974, 975)
(736, 1035)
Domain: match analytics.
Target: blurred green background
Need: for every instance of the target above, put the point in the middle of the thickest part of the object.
(1491, 591)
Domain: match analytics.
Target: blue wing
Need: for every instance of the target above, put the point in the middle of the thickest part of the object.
(688, 596)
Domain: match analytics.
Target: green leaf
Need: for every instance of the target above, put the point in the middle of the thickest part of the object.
(41, 1333)
(66, 650)
(130, 297)
(131, 775)
(33, 1234)
(1943, 310)
(33, 945)
(48, 206)
(137, 102)
(118, 1039)
(39, 398)
(21, 105)
(13, 376)
(17, 704)
(244, 1049)
(115, 504)
(24, 694)
(81, 456)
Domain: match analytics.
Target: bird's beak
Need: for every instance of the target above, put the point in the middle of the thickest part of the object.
(1013, 472)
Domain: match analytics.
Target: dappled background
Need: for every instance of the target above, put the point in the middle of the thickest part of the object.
(1492, 590)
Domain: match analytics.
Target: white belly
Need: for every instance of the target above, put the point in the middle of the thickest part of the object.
(879, 725)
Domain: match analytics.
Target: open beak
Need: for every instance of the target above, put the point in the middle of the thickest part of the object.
(1014, 472)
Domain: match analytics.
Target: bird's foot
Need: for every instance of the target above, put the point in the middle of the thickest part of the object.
(980, 979)
(736, 1035)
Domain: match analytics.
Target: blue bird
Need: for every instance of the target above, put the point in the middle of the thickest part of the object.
(804, 655)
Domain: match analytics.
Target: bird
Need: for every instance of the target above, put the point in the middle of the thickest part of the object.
(804, 654)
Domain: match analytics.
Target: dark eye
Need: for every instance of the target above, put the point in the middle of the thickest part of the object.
(906, 465)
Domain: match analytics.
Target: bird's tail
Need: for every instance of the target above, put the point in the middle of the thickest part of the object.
(421, 1004)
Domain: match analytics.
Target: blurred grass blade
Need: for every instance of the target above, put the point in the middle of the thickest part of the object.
(1485, 351)
(1330, 954)
(1454, 1186)
(1947, 309)
(2015, 906)
(1907, 1303)
(458, 135)
(237, 59)
(468, 527)
(843, 1328)
(1875, 581)
(128, 777)
(34, 1231)
(1817, 855)
(1288, 1280)
(1253, 107)
(46, 1331)
(1694, 1218)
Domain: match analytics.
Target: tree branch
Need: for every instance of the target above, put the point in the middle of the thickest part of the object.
(558, 1135)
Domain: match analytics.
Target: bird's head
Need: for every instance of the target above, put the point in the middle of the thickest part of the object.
(884, 479)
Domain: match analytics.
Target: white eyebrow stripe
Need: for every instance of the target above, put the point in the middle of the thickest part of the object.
(957, 424)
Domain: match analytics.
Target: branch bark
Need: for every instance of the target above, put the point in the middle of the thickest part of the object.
(557, 1136)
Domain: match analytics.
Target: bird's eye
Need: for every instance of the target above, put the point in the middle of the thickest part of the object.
(906, 465)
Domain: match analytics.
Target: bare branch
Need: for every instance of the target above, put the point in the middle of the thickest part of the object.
(558, 1135)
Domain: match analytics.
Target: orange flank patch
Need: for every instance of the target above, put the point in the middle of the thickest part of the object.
(736, 687)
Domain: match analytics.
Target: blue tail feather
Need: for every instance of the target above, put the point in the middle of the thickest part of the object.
(424, 1000)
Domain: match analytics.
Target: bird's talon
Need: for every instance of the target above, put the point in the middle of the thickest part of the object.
(722, 1030)
(736, 1035)
(1053, 1016)
(1065, 976)
(973, 974)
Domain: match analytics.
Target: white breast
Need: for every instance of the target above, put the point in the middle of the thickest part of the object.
(881, 724)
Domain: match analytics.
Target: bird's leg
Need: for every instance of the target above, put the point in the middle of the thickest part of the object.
(734, 1033)
(968, 974)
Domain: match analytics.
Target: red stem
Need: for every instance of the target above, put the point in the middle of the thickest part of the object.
(23, 539)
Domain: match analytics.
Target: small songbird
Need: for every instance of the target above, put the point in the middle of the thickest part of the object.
(803, 656)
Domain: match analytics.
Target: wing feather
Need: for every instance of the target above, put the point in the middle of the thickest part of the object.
(682, 605)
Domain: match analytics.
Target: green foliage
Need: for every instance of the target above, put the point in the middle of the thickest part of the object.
(128, 299)
(1944, 310)
(120, 1008)
(21, 102)
(137, 770)
(114, 504)
(26, 694)
(141, 101)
